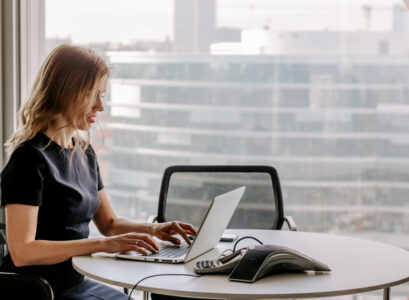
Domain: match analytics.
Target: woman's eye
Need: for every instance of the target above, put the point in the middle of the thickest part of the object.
(99, 96)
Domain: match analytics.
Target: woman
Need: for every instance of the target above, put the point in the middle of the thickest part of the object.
(51, 186)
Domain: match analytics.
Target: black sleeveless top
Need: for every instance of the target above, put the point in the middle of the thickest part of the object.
(66, 193)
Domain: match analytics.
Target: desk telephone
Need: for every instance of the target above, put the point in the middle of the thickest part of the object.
(223, 265)
(251, 264)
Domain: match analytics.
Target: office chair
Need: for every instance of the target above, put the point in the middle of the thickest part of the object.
(20, 286)
(187, 191)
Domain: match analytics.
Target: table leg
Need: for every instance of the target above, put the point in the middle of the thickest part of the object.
(386, 293)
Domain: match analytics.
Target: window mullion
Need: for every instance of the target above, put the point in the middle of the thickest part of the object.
(32, 42)
(10, 53)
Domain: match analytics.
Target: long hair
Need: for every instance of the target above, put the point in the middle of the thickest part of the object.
(61, 88)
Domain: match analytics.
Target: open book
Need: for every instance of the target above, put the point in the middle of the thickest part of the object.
(263, 260)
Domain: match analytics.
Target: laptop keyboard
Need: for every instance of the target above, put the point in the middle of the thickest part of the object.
(172, 251)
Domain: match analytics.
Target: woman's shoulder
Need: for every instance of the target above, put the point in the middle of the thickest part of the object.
(29, 150)
(25, 158)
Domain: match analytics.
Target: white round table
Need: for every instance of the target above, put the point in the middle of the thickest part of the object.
(357, 266)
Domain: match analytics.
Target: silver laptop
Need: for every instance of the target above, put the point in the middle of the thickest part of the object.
(215, 222)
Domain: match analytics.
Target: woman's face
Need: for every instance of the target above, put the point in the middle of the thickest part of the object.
(96, 104)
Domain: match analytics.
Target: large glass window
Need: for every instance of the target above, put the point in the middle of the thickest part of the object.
(318, 89)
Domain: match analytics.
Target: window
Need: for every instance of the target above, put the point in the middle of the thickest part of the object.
(318, 89)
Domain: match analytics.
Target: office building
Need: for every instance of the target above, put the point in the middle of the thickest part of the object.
(335, 128)
(194, 25)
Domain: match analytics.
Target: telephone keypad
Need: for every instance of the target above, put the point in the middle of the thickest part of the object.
(210, 266)
(223, 265)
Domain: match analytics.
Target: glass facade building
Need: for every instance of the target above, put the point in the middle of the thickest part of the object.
(318, 89)
(335, 129)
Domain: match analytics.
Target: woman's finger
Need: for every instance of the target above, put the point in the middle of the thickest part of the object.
(170, 238)
(188, 227)
(146, 237)
(142, 243)
(137, 249)
(150, 241)
(180, 231)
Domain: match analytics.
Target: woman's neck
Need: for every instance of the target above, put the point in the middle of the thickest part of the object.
(61, 136)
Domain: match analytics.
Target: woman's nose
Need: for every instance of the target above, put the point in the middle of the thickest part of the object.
(99, 105)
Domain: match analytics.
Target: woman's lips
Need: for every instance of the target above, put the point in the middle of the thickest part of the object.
(91, 119)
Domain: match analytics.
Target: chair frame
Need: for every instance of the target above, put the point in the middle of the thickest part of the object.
(24, 280)
(8, 280)
(278, 222)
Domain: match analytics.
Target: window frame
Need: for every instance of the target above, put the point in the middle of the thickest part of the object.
(22, 48)
(10, 83)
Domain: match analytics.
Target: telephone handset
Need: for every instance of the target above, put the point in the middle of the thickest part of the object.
(222, 265)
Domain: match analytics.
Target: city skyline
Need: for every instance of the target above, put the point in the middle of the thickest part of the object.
(126, 21)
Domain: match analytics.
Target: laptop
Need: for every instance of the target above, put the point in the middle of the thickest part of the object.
(215, 222)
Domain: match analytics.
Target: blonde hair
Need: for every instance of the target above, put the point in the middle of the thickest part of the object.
(61, 87)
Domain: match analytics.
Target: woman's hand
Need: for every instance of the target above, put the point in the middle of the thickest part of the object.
(139, 242)
(166, 231)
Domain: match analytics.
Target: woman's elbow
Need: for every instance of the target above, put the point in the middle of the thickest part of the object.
(107, 229)
(20, 257)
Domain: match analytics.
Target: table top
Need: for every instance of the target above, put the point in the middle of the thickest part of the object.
(357, 266)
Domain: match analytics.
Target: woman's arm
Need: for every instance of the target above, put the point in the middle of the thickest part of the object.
(109, 224)
(21, 224)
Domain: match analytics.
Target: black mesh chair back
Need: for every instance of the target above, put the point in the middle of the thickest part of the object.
(187, 191)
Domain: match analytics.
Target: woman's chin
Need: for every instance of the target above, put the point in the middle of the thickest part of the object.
(84, 127)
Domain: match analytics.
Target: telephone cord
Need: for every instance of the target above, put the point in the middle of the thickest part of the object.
(243, 238)
(235, 245)
(157, 275)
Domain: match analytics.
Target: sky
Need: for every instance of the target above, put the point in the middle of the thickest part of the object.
(126, 20)
(108, 20)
